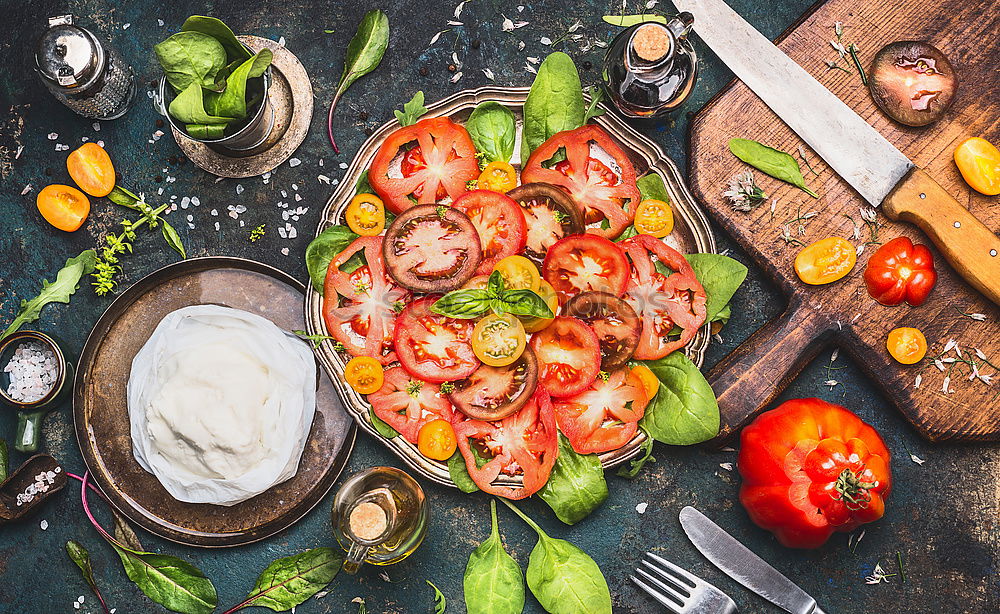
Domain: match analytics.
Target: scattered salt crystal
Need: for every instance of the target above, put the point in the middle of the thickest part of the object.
(457, 76)
(321, 161)
(520, 45)
(126, 26)
(295, 186)
(979, 353)
(281, 41)
(233, 215)
(284, 194)
(159, 22)
(284, 251)
(44, 525)
(239, 189)
(26, 189)
(489, 74)
(917, 380)
(545, 40)
(507, 25)
(266, 176)
(191, 225)
(727, 466)
(100, 143)
(195, 201)
(217, 226)
(241, 209)
(323, 179)
(53, 136)
(641, 507)
(520, 8)
(917, 459)
(282, 232)
(294, 162)
(298, 197)
(215, 212)
(241, 224)
(185, 202)
(190, 218)
(96, 126)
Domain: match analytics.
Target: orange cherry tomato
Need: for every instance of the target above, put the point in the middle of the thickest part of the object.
(364, 374)
(91, 169)
(654, 217)
(650, 383)
(63, 206)
(366, 215)
(498, 176)
(519, 273)
(436, 440)
(548, 294)
(979, 162)
(906, 345)
(825, 261)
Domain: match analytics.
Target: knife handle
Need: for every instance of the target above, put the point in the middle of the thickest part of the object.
(971, 248)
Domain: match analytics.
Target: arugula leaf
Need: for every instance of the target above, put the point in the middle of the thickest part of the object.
(721, 276)
(381, 425)
(412, 110)
(627, 21)
(636, 465)
(440, 603)
(459, 473)
(554, 104)
(169, 581)
(493, 582)
(492, 129)
(289, 581)
(325, 248)
(596, 96)
(576, 486)
(66, 283)
(774, 162)
(684, 410)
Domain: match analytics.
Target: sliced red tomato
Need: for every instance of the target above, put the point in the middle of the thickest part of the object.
(406, 403)
(663, 300)
(440, 164)
(585, 262)
(523, 445)
(360, 307)
(433, 347)
(605, 416)
(569, 356)
(606, 193)
(550, 215)
(499, 222)
(432, 249)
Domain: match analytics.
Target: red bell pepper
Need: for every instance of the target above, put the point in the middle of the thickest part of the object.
(900, 271)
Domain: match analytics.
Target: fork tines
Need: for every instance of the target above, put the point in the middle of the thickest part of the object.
(678, 590)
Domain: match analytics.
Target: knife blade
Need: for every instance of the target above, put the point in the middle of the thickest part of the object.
(879, 172)
(742, 565)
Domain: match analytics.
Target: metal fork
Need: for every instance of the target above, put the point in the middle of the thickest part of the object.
(680, 591)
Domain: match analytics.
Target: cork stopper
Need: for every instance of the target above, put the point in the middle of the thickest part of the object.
(368, 521)
(651, 42)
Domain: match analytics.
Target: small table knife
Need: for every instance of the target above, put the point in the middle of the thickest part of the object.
(742, 565)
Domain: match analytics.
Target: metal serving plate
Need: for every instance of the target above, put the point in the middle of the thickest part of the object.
(691, 235)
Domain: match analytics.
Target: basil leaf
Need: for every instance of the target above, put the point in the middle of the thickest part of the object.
(4, 461)
(172, 238)
(59, 291)
(495, 285)
(233, 101)
(563, 578)
(596, 96)
(774, 162)
(365, 51)
(684, 410)
(493, 581)
(169, 581)
(121, 196)
(190, 58)
(627, 21)
(325, 248)
(460, 474)
(381, 425)
(636, 465)
(524, 303)
(651, 186)
(492, 128)
(412, 110)
(220, 32)
(440, 603)
(462, 304)
(554, 104)
(576, 486)
(289, 581)
(721, 276)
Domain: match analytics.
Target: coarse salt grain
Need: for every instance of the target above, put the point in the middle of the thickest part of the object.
(641, 507)
(32, 370)
(294, 162)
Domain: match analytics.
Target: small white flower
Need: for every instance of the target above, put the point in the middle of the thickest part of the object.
(917, 380)
(978, 317)
(946, 384)
(489, 74)
(939, 365)
(986, 379)
(435, 38)
(651, 3)
(917, 459)
(835, 355)
(576, 26)
(520, 45)
(947, 347)
(878, 576)
(980, 354)
(831, 383)
(528, 67)
(860, 249)
(533, 59)
(727, 466)
(840, 49)
(458, 9)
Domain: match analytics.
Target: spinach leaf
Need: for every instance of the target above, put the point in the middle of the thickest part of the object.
(493, 580)
(381, 425)
(412, 110)
(189, 107)
(651, 186)
(628, 233)
(205, 131)
(720, 276)
(492, 128)
(627, 21)
(554, 104)
(233, 101)
(576, 486)
(325, 248)
(596, 96)
(563, 578)
(190, 58)
(460, 473)
(636, 465)
(362, 186)
(364, 54)
(723, 316)
(289, 581)
(685, 410)
(440, 603)
(169, 581)
(774, 162)
(79, 555)
(59, 291)
(220, 32)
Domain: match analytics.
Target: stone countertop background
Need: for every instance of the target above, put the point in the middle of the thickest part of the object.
(942, 517)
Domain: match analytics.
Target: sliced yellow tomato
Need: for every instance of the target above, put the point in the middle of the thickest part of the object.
(364, 374)
(548, 294)
(979, 162)
(519, 273)
(63, 206)
(366, 215)
(498, 176)
(654, 217)
(907, 345)
(436, 440)
(498, 339)
(825, 261)
(91, 168)
(650, 383)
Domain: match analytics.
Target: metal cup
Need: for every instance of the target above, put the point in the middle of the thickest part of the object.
(29, 416)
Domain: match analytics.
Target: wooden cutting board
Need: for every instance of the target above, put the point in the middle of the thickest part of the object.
(842, 314)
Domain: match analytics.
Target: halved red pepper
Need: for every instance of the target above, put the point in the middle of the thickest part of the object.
(900, 271)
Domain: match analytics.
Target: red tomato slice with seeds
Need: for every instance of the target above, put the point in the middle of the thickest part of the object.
(359, 307)
(582, 263)
(433, 347)
(569, 356)
(439, 164)
(499, 222)
(407, 403)
(662, 300)
(605, 416)
(524, 444)
(606, 193)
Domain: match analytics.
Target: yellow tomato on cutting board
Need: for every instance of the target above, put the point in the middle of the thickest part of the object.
(825, 261)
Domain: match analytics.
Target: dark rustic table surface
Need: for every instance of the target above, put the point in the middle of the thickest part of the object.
(942, 517)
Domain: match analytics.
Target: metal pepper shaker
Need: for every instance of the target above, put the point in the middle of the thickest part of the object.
(82, 72)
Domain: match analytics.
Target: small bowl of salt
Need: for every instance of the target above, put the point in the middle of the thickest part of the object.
(34, 377)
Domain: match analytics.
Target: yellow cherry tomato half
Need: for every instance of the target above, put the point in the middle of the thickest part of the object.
(906, 345)
(90, 167)
(979, 162)
(825, 261)
(366, 215)
(519, 273)
(436, 440)
(654, 217)
(650, 383)
(498, 176)
(498, 339)
(548, 294)
(63, 206)
(364, 374)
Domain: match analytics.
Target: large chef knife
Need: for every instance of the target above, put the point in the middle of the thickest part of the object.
(742, 565)
(855, 150)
